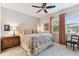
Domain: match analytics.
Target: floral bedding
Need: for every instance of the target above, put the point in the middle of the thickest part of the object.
(35, 43)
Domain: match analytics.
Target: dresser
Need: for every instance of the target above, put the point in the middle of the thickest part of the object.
(7, 42)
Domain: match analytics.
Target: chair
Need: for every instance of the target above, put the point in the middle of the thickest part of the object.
(74, 41)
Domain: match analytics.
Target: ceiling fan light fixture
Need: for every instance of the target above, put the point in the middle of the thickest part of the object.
(44, 7)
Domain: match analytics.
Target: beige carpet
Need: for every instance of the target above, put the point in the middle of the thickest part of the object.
(56, 50)
(59, 50)
(15, 51)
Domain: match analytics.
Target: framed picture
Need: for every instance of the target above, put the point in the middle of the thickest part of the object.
(46, 26)
(6, 27)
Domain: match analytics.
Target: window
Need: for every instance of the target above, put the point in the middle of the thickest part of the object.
(72, 23)
(55, 24)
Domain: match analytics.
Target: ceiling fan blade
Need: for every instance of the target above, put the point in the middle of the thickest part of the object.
(36, 6)
(50, 7)
(44, 4)
(45, 11)
(39, 10)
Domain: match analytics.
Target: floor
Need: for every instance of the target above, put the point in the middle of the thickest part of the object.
(15, 51)
(59, 50)
(56, 50)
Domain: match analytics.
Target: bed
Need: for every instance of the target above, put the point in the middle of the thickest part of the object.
(35, 43)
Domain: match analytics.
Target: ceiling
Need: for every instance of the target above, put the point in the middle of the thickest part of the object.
(28, 9)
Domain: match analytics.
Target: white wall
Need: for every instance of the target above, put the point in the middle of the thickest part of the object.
(0, 27)
(14, 18)
(42, 22)
(0, 20)
(56, 36)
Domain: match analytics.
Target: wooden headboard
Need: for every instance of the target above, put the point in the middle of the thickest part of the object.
(7, 42)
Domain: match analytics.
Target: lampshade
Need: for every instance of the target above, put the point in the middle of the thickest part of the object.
(13, 27)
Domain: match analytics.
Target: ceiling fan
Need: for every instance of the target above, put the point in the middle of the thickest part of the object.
(44, 7)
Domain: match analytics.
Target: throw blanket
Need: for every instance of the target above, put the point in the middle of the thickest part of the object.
(35, 43)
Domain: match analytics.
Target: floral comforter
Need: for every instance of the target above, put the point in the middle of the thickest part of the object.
(35, 43)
